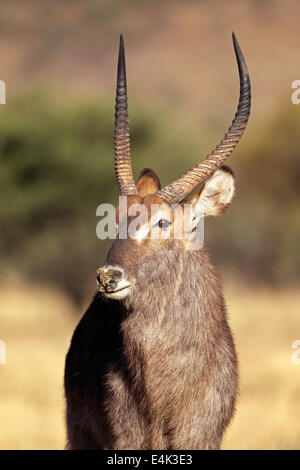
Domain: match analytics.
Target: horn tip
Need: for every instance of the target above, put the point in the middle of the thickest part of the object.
(239, 55)
(121, 59)
(235, 41)
(121, 47)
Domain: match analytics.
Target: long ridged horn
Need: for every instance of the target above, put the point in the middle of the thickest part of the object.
(179, 189)
(123, 165)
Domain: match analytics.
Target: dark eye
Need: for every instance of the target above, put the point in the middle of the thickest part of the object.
(163, 224)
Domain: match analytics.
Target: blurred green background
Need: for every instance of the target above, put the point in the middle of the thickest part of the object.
(57, 167)
(58, 59)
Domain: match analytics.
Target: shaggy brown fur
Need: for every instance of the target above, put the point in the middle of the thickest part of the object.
(158, 369)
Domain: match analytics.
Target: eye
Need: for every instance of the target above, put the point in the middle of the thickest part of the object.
(163, 224)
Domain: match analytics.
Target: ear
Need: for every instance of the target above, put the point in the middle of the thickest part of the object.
(216, 194)
(148, 182)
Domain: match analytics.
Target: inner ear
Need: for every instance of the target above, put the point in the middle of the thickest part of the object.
(148, 182)
(216, 194)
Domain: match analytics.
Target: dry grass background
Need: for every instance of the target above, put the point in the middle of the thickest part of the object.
(37, 323)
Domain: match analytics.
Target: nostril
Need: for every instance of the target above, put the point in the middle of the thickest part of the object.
(112, 284)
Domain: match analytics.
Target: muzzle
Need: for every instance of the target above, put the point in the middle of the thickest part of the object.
(112, 282)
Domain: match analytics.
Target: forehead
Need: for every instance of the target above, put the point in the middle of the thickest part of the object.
(151, 205)
(156, 206)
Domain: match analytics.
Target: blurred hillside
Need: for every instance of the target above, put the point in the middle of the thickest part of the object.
(179, 53)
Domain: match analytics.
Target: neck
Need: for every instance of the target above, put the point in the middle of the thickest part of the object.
(183, 294)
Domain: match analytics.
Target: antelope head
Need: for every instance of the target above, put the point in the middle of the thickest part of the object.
(122, 270)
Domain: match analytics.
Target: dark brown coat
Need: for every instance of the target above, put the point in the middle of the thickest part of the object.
(158, 369)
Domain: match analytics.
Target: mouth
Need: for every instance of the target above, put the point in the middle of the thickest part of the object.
(119, 294)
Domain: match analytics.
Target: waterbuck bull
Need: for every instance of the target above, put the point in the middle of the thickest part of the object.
(152, 363)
